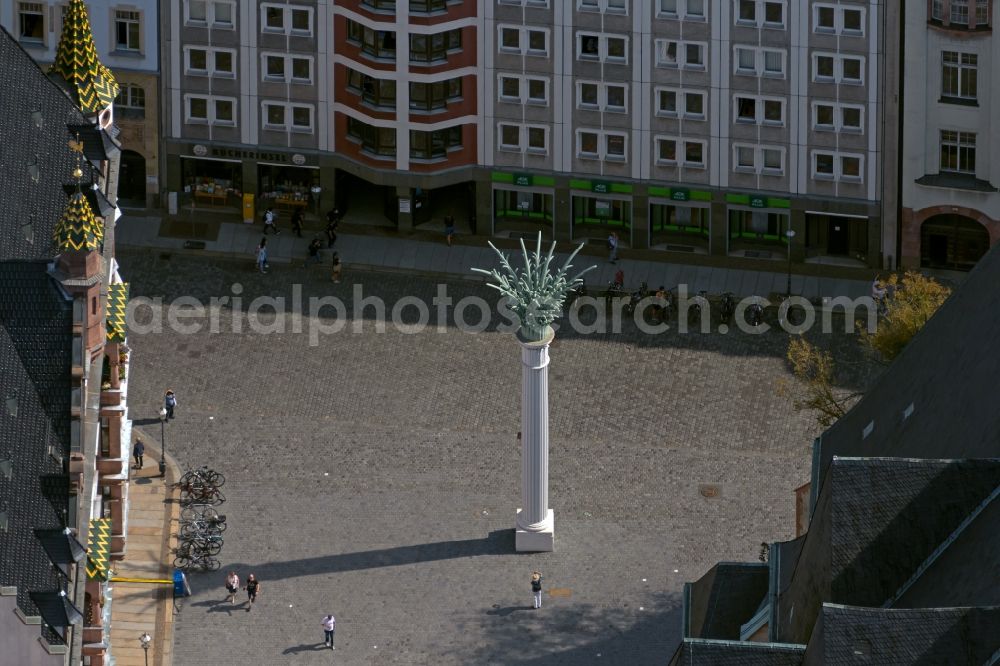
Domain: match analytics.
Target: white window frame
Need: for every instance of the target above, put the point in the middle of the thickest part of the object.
(759, 118)
(544, 150)
(760, 61)
(602, 47)
(210, 101)
(757, 165)
(683, 156)
(659, 161)
(287, 69)
(525, 3)
(209, 70)
(289, 124)
(760, 14)
(286, 22)
(523, 40)
(602, 7)
(682, 14)
(210, 15)
(658, 109)
(136, 17)
(838, 20)
(687, 113)
(770, 171)
(508, 147)
(523, 89)
(602, 97)
(37, 8)
(838, 69)
(681, 62)
(523, 145)
(960, 68)
(837, 174)
(602, 145)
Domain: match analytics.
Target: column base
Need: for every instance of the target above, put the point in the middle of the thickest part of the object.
(535, 541)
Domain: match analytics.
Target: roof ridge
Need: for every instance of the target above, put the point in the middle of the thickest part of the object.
(926, 564)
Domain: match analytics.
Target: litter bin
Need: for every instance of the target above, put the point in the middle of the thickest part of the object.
(181, 587)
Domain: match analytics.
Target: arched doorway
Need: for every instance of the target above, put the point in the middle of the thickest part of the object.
(952, 241)
(132, 179)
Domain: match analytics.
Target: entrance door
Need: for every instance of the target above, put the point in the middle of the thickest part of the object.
(952, 241)
(132, 179)
(837, 237)
(937, 249)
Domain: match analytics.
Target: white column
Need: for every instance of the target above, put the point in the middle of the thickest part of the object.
(535, 523)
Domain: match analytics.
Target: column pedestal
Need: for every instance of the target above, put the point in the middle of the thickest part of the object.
(535, 522)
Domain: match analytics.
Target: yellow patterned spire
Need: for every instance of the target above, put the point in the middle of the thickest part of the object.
(78, 228)
(117, 306)
(77, 62)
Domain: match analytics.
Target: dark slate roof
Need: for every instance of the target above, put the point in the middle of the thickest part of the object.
(35, 360)
(847, 636)
(724, 599)
(948, 372)
(56, 610)
(877, 521)
(34, 118)
(700, 652)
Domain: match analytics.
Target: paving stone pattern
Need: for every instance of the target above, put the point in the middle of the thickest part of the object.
(376, 476)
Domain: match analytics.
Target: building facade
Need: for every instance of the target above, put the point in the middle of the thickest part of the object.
(951, 159)
(126, 37)
(686, 126)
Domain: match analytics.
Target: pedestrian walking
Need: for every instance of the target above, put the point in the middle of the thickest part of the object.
(329, 626)
(613, 247)
(232, 586)
(298, 217)
(314, 247)
(536, 588)
(253, 589)
(170, 401)
(449, 227)
(337, 266)
(270, 221)
(332, 222)
(137, 450)
(261, 251)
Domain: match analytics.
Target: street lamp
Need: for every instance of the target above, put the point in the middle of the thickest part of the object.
(788, 290)
(145, 640)
(163, 442)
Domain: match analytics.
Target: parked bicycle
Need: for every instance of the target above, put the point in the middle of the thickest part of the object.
(202, 495)
(202, 526)
(197, 561)
(207, 544)
(200, 511)
(203, 474)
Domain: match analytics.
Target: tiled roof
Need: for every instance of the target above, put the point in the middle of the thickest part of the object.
(699, 652)
(117, 304)
(77, 62)
(34, 156)
(78, 228)
(99, 549)
(847, 636)
(35, 360)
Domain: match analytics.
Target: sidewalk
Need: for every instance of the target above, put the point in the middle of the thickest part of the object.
(359, 251)
(146, 607)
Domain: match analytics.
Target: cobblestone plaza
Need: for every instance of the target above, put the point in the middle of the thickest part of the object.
(376, 475)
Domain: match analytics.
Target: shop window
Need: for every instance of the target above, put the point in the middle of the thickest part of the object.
(602, 212)
(430, 96)
(127, 30)
(212, 182)
(758, 226)
(682, 224)
(375, 140)
(430, 48)
(434, 144)
(517, 205)
(31, 21)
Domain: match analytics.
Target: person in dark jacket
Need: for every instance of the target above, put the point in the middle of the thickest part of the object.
(536, 588)
(137, 450)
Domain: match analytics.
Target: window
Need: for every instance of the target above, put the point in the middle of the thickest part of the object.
(609, 6)
(850, 118)
(538, 91)
(958, 151)
(431, 48)
(375, 140)
(217, 14)
(287, 68)
(524, 90)
(753, 61)
(376, 43)
(427, 6)
(601, 96)
(532, 138)
(761, 13)
(31, 21)
(537, 139)
(615, 97)
(377, 92)
(435, 144)
(960, 12)
(824, 19)
(774, 112)
(666, 151)
(773, 159)
(602, 47)
(210, 110)
(762, 110)
(823, 116)
(131, 97)
(524, 40)
(982, 12)
(689, 10)
(667, 103)
(302, 70)
(302, 118)
(746, 60)
(774, 62)
(436, 95)
(838, 117)
(743, 159)
(689, 55)
(210, 62)
(746, 109)
(837, 166)
(609, 146)
(852, 20)
(850, 167)
(959, 75)
(694, 105)
(832, 68)
(126, 30)
(823, 164)
(937, 10)
(274, 116)
(288, 19)
(510, 88)
(768, 160)
(694, 154)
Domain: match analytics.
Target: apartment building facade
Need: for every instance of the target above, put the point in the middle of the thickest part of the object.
(126, 38)
(951, 155)
(687, 126)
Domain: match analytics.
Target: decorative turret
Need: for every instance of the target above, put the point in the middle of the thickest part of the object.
(78, 230)
(91, 84)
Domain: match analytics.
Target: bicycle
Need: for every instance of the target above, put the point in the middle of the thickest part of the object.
(199, 547)
(203, 473)
(200, 511)
(202, 562)
(202, 495)
(203, 526)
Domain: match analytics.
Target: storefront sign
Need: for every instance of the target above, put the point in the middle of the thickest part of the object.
(600, 186)
(219, 152)
(404, 205)
(523, 179)
(680, 195)
(298, 159)
(758, 202)
(200, 150)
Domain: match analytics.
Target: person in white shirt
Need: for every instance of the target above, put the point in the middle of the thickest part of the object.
(232, 586)
(329, 625)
